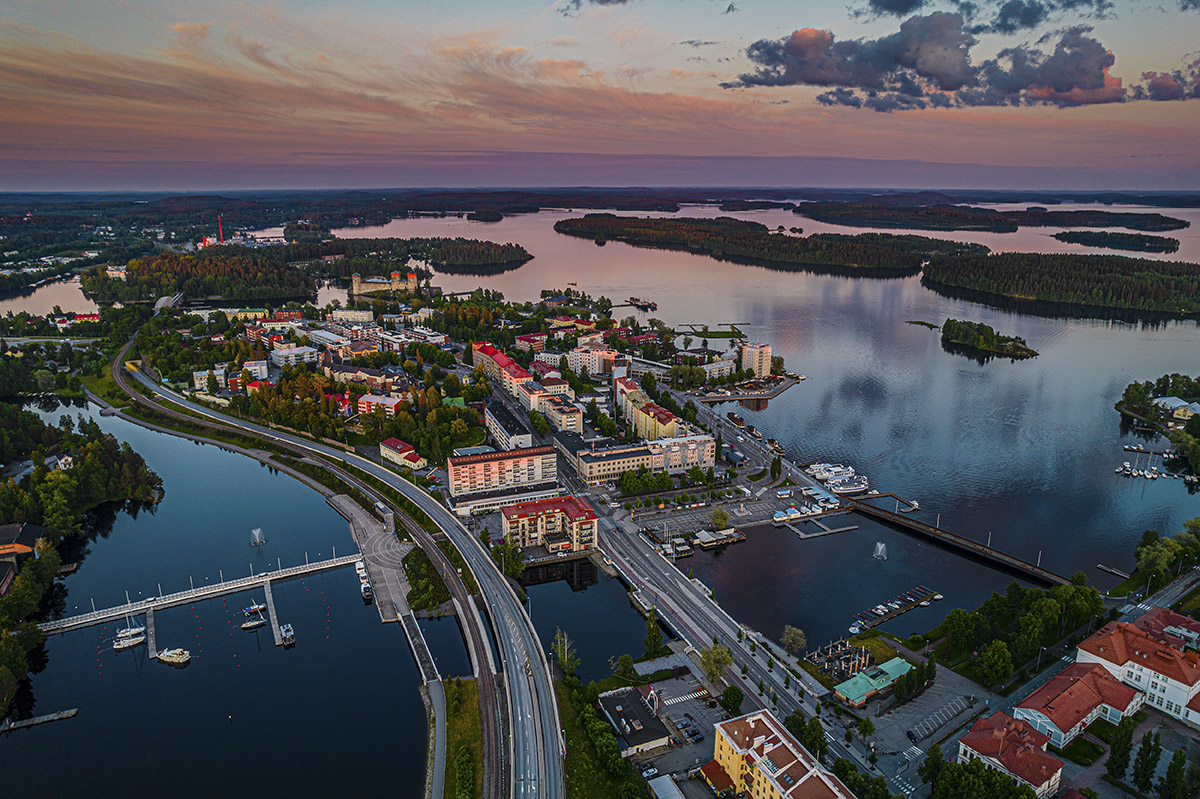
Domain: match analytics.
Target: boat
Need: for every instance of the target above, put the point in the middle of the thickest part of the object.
(367, 593)
(254, 607)
(175, 657)
(914, 505)
(254, 624)
(848, 485)
(925, 603)
(753, 432)
(287, 634)
(938, 597)
(854, 629)
(128, 642)
(737, 421)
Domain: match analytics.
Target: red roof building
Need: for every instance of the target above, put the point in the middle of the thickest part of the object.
(1012, 747)
(1149, 662)
(1074, 698)
(401, 453)
(561, 524)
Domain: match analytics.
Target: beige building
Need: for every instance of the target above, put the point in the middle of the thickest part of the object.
(671, 455)
(561, 524)
(562, 414)
(757, 357)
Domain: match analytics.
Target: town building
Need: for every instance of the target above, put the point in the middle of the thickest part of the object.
(603, 460)
(115, 272)
(257, 369)
(593, 361)
(396, 281)
(756, 756)
(242, 314)
(558, 387)
(293, 314)
(633, 713)
(324, 338)
(550, 358)
(653, 421)
(18, 540)
(1150, 664)
(506, 429)
(200, 378)
(502, 371)
(293, 355)
(1012, 747)
(375, 379)
(562, 414)
(350, 315)
(757, 358)
(871, 682)
(542, 370)
(368, 403)
(401, 453)
(1074, 698)
(560, 524)
(502, 471)
(721, 367)
(532, 342)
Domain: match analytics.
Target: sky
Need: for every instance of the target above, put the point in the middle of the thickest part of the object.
(204, 95)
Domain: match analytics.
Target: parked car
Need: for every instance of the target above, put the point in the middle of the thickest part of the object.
(648, 773)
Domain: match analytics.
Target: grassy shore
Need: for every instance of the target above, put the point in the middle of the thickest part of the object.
(464, 733)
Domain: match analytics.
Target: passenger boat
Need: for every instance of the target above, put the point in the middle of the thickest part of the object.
(848, 485)
(736, 420)
(256, 607)
(175, 657)
(128, 642)
(287, 634)
(367, 592)
(753, 432)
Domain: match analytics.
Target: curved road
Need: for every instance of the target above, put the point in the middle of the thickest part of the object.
(536, 745)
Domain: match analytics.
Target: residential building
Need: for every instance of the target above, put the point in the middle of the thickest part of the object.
(293, 355)
(502, 371)
(324, 338)
(257, 369)
(596, 466)
(643, 339)
(1174, 628)
(401, 453)
(531, 395)
(255, 385)
(1148, 663)
(115, 272)
(633, 713)
(594, 361)
(293, 314)
(1074, 698)
(699, 355)
(653, 421)
(602, 460)
(871, 682)
(628, 396)
(558, 386)
(550, 357)
(756, 756)
(502, 471)
(376, 379)
(18, 540)
(200, 378)
(276, 324)
(242, 314)
(1012, 747)
(508, 431)
(532, 342)
(562, 414)
(560, 524)
(757, 358)
(721, 367)
(542, 370)
(350, 315)
(367, 403)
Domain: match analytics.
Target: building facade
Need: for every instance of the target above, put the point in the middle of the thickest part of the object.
(1012, 747)
(369, 403)
(757, 358)
(508, 431)
(293, 355)
(560, 524)
(401, 453)
(1074, 698)
(761, 759)
(501, 471)
(1152, 664)
(502, 371)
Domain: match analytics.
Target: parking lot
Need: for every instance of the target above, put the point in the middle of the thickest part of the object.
(684, 710)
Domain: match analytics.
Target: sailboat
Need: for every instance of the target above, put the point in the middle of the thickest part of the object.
(254, 623)
(128, 642)
(254, 607)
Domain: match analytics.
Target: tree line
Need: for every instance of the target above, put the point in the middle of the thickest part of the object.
(978, 336)
(963, 217)
(1132, 242)
(1099, 281)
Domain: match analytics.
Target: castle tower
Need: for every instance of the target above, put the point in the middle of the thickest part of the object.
(356, 283)
(397, 284)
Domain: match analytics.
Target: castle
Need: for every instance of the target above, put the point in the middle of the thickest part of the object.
(394, 282)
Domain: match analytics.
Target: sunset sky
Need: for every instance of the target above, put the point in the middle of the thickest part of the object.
(117, 94)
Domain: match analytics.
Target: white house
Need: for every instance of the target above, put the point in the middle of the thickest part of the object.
(1074, 698)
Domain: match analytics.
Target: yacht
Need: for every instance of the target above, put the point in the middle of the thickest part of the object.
(175, 657)
(803, 377)
(848, 485)
(367, 593)
(254, 607)
(287, 634)
(128, 642)
(938, 597)
(254, 624)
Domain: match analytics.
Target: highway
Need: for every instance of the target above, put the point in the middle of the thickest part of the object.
(536, 746)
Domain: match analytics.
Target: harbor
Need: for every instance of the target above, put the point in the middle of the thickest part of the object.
(886, 611)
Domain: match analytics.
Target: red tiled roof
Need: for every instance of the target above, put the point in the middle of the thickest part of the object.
(1075, 692)
(575, 508)
(658, 412)
(1156, 620)
(716, 776)
(1120, 642)
(396, 445)
(1015, 745)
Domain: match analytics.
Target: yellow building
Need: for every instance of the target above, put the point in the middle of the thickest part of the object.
(755, 755)
(654, 421)
(757, 357)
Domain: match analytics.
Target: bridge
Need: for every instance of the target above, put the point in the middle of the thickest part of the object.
(192, 595)
(971, 548)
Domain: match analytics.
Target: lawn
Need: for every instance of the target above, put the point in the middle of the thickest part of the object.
(1124, 588)
(1081, 751)
(880, 649)
(754, 478)
(1190, 604)
(463, 729)
(105, 388)
(812, 669)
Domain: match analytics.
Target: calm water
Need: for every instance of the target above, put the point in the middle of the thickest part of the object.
(1024, 450)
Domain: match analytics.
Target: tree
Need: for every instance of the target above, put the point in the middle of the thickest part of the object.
(1120, 748)
(719, 518)
(732, 699)
(539, 423)
(866, 727)
(653, 640)
(625, 666)
(995, 663)
(568, 661)
(793, 639)
(776, 468)
(813, 739)
(714, 661)
(960, 626)
(1145, 762)
(932, 764)
(1173, 785)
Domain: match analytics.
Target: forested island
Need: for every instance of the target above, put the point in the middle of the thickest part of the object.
(236, 272)
(921, 245)
(982, 338)
(1085, 281)
(52, 500)
(963, 217)
(738, 240)
(755, 205)
(1131, 242)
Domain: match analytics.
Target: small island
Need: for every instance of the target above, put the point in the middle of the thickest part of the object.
(1130, 242)
(965, 217)
(981, 338)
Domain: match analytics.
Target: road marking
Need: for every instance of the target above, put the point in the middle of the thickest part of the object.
(677, 699)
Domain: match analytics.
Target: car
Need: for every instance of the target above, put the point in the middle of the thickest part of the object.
(614, 504)
(683, 724)
(648, 773)
(675, 741)
(912, 736)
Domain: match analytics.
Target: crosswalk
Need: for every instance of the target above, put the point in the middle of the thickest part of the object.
(913, 753)
(675, 700)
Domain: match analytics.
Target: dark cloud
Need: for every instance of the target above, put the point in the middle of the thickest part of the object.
(1017, 15)
(697, 43)
(927, 64)
(897, 8)
(732, 8)
(999, 16)
(572, 7)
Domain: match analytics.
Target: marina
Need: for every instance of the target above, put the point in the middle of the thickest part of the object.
(886, 611)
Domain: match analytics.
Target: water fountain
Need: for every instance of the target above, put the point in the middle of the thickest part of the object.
(256, 537)
(880, 551)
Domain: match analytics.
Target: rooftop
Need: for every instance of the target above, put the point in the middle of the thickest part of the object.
(1120, 642)
(1015, 745)
(507, 420)
(396, 445)
(628, 712)
(512, 454)
(1075, 692)
(575, 508)
(874, 679)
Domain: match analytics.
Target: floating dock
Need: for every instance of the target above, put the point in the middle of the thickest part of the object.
(905, 602)
(18, 725)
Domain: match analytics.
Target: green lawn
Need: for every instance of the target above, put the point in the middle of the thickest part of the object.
(1190, 604)
(105, 388)
(463, 729)
(880, 649)
(754, 478)
(1136, 581)
(812, 669)
(1081, 750)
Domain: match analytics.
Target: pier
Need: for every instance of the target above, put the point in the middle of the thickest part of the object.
(905, 522)
(151, 639)
(270, 600)
(147, 606)
(33, 722)
(865, 620)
